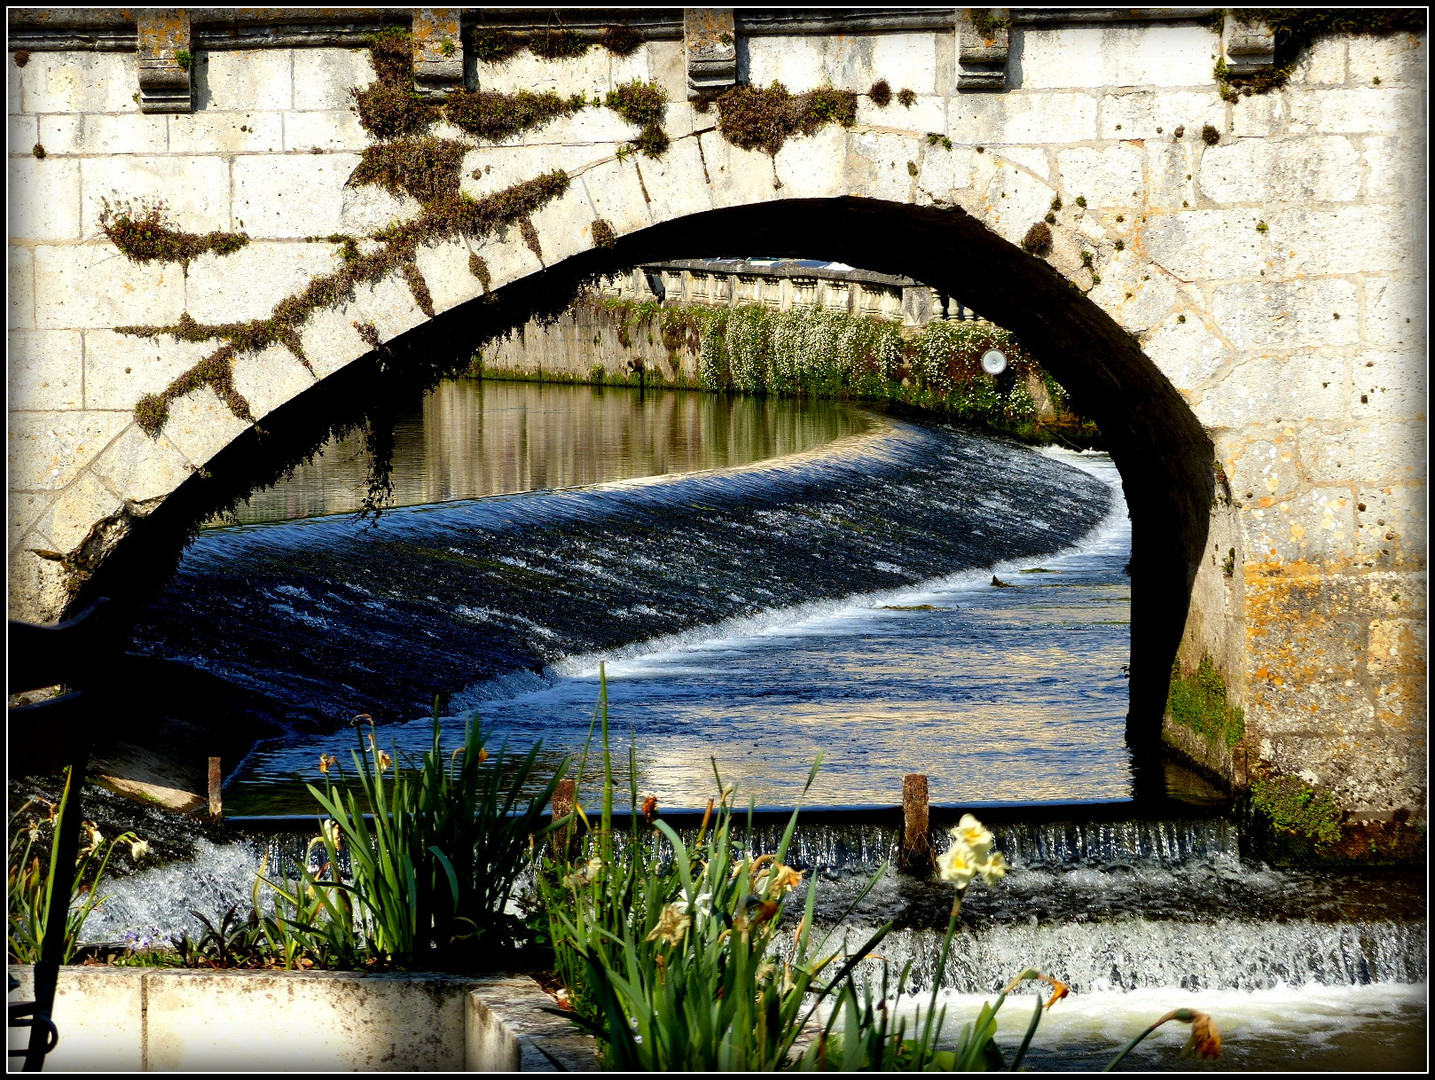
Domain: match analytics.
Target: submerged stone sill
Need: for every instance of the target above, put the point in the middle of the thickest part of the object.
(115, 1019)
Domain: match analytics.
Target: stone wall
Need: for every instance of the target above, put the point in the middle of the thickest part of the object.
(1265, 253)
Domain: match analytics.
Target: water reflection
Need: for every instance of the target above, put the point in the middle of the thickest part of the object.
(470, 438)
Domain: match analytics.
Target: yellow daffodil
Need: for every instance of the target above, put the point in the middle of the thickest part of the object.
(973, 834)
(993, 868)
(957, 865)
(138, 849)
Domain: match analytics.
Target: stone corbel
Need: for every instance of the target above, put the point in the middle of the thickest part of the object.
(710, 39)
(166, 58)
(438, 51)
(982, 54)
(1247, 50)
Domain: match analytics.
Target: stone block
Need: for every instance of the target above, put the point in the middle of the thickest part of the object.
(47, 451)
(127, 133)
(269, 378)
(587, 74)
(227, 133)
(1348, 240)
(677, 185)
(736, 177)
(245, 80)
(14, 88)
(501, 167)
(1200, 245)
(364, 210)
(1389, 385)
(331, 341)
(800, 63)
(876, 165)
(323, 78)
(1169, 169)
(1393, 168)
(121, 368)
(1188, 353)
(1008, 199)
(103, 1010)
(291, 195)
(1379, 452)
(508, 257)
(1139, 305)
(44, 369)
(388, 306)
(1398, 60)
(1256, 173)
(1395, 312)
(142, 468)
(200, 426)
(1256, 116)
(1321, 63)
(20, 279)
(91, 286)
(268, 271)
(1084, 56)
(79, 82)
(1314, 525)
(616, 194)
(37, 586)
(335, 130)
(1391, 532)
(1137, 114)
(641, 64)
(1285, 314)
(194, 190)
(1107, 178)
(1023, 119)
(1364, 110)
(1264, 389)
(1264, 471)
(21, 518)
(44, 199)
(445, 266)
(61, 134)
(22, 132)
(943, 174)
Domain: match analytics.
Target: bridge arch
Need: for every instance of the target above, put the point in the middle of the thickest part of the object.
(1263, 252)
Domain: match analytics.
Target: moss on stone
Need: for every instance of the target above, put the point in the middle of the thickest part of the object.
(908, 98)
(494, 46)
(1197, 700)
(1295, 30)
(603, 236)
(621, 40)
(1038, 239)
(560, 43)
(425, 168)
(639, 103)
(493, 116)
(764, 118)
(1292, 806)
(141, 233)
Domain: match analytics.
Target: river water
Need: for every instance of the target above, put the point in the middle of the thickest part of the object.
(763, 581)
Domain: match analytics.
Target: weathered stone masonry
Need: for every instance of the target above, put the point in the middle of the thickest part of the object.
(1271, 269)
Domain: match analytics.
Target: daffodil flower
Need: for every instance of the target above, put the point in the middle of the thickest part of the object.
(672, 924)
(957, 865)
(973, 834)
(138, 849)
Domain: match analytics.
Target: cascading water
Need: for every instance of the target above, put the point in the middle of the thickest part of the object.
(838, 600)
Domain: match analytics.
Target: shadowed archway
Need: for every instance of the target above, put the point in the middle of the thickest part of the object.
(1164, 456)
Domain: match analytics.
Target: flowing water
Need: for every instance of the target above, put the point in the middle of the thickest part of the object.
(762, 581)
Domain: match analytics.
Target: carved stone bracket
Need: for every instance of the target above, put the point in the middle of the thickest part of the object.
(438, 51)
(1248, 50)
(710, 38)
(982, 54)
(165, 60)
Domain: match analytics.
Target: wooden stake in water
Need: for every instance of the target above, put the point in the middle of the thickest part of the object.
(216, 779)
(915, 854)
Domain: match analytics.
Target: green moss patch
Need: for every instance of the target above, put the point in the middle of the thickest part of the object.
(1197, 700)
(639, 103)
(764, 118)
(1297, 29)
(1292, 806)
(142, 235)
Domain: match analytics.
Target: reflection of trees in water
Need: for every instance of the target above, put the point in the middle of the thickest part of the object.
(470, 439)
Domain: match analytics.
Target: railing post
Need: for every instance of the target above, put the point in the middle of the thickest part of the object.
(915, 854)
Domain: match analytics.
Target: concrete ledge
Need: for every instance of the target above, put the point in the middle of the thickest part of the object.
(168, 1019)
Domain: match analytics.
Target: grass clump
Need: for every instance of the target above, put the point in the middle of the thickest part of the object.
(621, 40)
(495, 117)
(141, 233)
(494, 46)
(639, 103)
(425, 168)
(764, 118)
(603, 235)
(1038, 239)
(908, 98)
(1292, 806)
(881, 93)
(1197, 700)
(558, 44)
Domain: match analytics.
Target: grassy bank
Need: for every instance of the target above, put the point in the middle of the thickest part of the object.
(819, 353)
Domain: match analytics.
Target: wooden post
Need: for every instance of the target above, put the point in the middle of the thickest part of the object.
(915, 854)
(216, 778)
(565, 795)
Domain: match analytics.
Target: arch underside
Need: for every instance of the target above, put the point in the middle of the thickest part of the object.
(1163, 454)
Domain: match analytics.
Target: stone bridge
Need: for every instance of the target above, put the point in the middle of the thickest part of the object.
(1232, 284)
